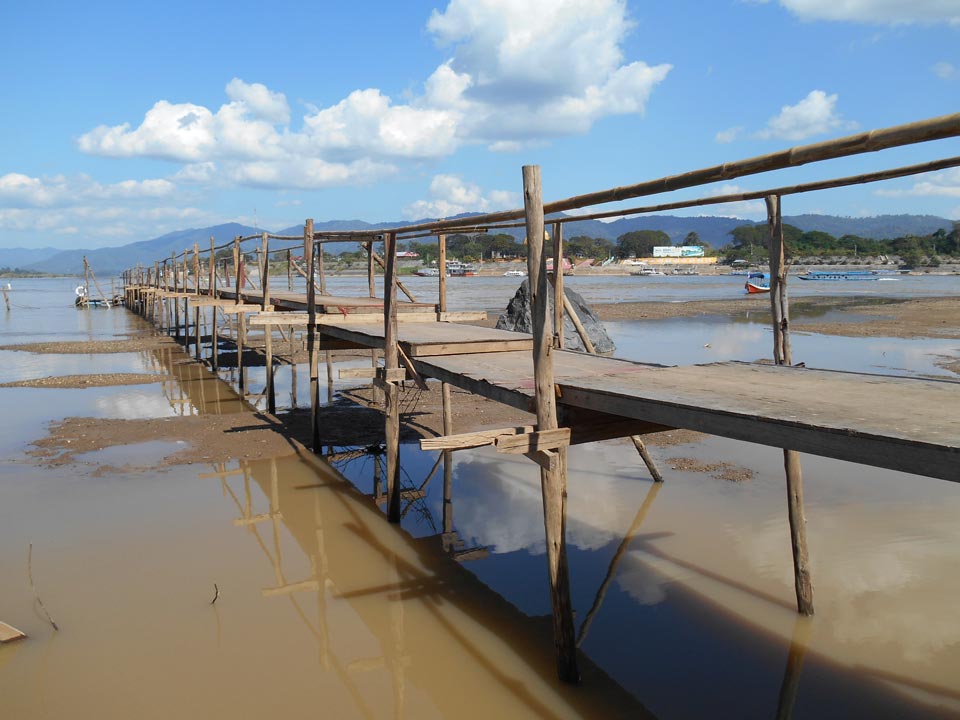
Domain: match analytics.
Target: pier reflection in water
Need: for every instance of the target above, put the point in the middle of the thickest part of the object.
(688, 586)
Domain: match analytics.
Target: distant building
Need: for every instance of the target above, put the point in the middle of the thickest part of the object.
(407, 254)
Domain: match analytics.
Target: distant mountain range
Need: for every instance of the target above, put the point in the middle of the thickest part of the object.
(712, 230)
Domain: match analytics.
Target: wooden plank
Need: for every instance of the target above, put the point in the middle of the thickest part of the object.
(466, 441)
(239, 309)
(471, 347)
(8, 633)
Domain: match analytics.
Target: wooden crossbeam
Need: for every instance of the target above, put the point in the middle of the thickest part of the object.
(290, 588)
(526, 438)
(336, 318)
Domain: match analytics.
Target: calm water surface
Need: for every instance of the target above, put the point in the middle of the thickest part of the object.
(683, 592)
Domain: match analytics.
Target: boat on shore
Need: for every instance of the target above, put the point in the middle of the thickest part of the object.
(757, 282)
(428, 272)
(648, 272)
(833, 275)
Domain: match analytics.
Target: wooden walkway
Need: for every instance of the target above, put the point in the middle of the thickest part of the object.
(907, 424)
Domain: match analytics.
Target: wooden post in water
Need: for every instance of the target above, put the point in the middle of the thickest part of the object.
(320, 270)
(268, 329)
(372, 289)
(442, 265)
(391, 361)
(185, 289)
(553, 464)
(176, 301)
(558, 295)
(212, 290)
(196, 310)
(312, 336)
(241, 324)
(803, 584)
(86, 281)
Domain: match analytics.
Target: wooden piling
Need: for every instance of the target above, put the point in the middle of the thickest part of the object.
(312, 336)
(241, 317)
(196, 310)
(553, 470)
(391, 393)
(559, 298)
(268, 329)
(176, 302)
(803, 583)
(442, 266)
(212, 292)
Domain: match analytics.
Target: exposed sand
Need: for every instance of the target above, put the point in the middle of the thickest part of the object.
(82, 381)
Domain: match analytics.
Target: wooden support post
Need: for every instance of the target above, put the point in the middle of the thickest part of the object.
(553, 477)
(290, 270)
(196, 311)
(176, 289)
(266, 304)
(391, 392)
(86, 281)
(803, 584)
(371, 281)
(184, 289)
(212, 290)
(308, 247)
(442, 263)
(559, 298)
(320, 269)
(447, 456)
(241, 335)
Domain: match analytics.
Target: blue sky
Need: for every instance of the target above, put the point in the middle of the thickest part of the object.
(123, 121)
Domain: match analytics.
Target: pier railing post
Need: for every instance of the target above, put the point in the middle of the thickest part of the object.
(803, 584)
(212, 292)
(442, 267)
(241, 319)
(176, 289)
(558, 295)
(265, 304)
(196, 294)
(391, 361)
(308, 248)
(553, 464)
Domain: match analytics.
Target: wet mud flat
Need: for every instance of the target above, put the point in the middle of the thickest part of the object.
(370, 622)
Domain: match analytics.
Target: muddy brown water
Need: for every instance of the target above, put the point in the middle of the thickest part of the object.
(682, 592)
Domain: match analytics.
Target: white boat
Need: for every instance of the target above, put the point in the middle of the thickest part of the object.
(428, 272)
(515, 273)
(647, 272)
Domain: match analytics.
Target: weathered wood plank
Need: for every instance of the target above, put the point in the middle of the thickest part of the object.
(8, 633)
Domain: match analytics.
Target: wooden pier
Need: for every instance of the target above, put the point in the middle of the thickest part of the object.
(906, 424)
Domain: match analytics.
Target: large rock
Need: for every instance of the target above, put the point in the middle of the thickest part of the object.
(517, 318)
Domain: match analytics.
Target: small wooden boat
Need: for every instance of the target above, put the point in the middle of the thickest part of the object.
(757, 282)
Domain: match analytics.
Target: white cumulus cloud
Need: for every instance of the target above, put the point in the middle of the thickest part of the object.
(816, 114)
(451, 195)
(942, 184)
(517, 74)
(22, 191)
(879, 12)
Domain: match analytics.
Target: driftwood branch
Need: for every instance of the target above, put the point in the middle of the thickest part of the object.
(33, 587)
